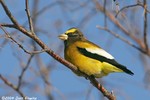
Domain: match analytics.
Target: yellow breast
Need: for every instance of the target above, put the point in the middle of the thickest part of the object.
(85, 64)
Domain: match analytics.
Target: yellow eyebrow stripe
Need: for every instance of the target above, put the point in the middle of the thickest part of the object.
(70, 31)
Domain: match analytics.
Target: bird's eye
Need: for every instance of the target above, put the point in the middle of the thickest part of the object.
(72, 35)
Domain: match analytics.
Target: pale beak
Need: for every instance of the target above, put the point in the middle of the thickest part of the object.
(63, 36)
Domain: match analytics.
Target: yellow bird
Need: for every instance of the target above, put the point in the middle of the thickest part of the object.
(88, 57)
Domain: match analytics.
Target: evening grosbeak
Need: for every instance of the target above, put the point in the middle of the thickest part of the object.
(88, 57)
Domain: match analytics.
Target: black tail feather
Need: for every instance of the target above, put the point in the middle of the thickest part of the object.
(124, 69)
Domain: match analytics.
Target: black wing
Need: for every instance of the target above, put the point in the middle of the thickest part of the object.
(104, 59)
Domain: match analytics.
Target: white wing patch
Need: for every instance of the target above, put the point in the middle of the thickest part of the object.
(100, 52)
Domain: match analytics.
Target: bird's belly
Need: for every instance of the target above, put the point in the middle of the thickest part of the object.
(85, 64)
(108, 68)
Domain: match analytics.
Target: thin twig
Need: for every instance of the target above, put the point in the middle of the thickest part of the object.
(105, 17)
(12, 86)
(121, 38)
(134, 5)
(129, 6)
(44, 9)
(20, 45)
(42, 69)
(23, 72)
(34, 11)
(11, 17)
(8, 25)
(145, 26)
(29, 17)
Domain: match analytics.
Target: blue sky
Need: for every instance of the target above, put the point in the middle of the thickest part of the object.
(65, 84)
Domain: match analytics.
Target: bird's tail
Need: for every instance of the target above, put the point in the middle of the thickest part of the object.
(125, 69)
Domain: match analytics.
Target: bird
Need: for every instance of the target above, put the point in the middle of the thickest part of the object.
(88, 57)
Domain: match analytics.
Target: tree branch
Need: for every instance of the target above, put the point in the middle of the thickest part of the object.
(29, 17)
(20, 46)
(12, 86)
(11, 17)
(145, 26)
(105, 92)
(134, 5)
(23, 72)
(121, 38)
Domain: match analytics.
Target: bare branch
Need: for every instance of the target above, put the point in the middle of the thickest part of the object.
(44, 9)
(14, 21)
(12, 86)
(106, 93)
(105, 17)
(21, 46)
(23, 72)
(11, 17)
(8, 25)
(145, 26)
(121, 38)
(29, 17)
(134, 5)
(129, 6)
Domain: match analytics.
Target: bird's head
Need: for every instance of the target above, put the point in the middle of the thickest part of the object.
(72, 34)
